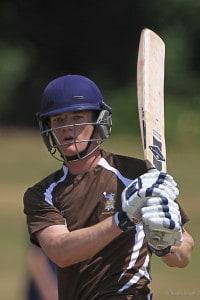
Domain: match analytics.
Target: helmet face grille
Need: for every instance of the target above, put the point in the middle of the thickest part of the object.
(101, 132)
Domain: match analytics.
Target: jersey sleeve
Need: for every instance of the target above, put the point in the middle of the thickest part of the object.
(39, 213)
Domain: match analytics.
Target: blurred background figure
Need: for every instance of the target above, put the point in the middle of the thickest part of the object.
(41, 281)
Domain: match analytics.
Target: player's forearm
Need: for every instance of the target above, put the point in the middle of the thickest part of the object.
(180, 256)
(68, 248)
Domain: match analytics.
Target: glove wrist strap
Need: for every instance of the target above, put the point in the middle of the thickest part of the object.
(123, 221)
(161, 252)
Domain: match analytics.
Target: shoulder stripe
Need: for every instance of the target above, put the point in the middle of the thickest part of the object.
(106, 165)
(49, 190)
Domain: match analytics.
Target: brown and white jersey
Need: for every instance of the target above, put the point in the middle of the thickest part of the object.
(122, 267)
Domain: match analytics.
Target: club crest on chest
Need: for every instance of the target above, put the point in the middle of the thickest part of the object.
(109, 203)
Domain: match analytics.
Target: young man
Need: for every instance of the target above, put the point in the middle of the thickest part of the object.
(75, 214)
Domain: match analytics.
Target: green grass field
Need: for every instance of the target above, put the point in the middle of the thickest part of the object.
(24, 160)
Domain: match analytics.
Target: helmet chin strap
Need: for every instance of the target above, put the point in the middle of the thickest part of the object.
(80, 155)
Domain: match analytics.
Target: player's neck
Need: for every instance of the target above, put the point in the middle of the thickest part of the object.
(84, 165)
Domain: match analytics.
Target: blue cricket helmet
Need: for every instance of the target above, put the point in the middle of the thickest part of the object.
(71, 93)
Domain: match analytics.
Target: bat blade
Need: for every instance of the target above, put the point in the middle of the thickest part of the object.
(150, 92)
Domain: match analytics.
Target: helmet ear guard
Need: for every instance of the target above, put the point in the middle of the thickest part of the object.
(46, 134)
(104, 122)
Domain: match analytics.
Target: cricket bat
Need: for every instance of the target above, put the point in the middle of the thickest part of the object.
(150, 93)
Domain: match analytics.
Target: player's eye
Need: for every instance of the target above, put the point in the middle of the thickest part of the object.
(78, 118)
(58, 119)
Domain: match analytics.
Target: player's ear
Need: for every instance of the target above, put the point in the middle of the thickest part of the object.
(48, 122)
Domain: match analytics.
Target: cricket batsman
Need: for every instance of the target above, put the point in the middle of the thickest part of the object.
(82, 215)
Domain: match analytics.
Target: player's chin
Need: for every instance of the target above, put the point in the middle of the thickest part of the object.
(72, 149)
(69, 151)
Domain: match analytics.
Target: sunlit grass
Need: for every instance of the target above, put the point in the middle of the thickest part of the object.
(24, 161)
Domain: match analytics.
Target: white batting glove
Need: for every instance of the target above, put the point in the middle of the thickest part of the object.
(150, 184)
(162, 224)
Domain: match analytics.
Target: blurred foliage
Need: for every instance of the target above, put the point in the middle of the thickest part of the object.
(182, 124)
(14, 63)
(41, 40)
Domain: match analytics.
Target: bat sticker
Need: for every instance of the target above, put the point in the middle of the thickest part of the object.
(157, 153)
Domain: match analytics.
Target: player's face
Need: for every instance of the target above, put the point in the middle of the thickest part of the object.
(71, 131)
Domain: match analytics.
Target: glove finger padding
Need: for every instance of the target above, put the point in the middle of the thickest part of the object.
(150, 178)
(161, 201)
(144, 181)
(156, 192)
(135, 195)
(161, 190)
(159, 216)
(167, 186)
(154, 177)
(161, 208)
(146, 211)
(163, 224)
(168, 215)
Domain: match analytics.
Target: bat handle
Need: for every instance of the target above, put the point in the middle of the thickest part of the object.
(152, 170)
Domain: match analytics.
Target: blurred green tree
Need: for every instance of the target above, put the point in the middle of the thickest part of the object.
(40, 40)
